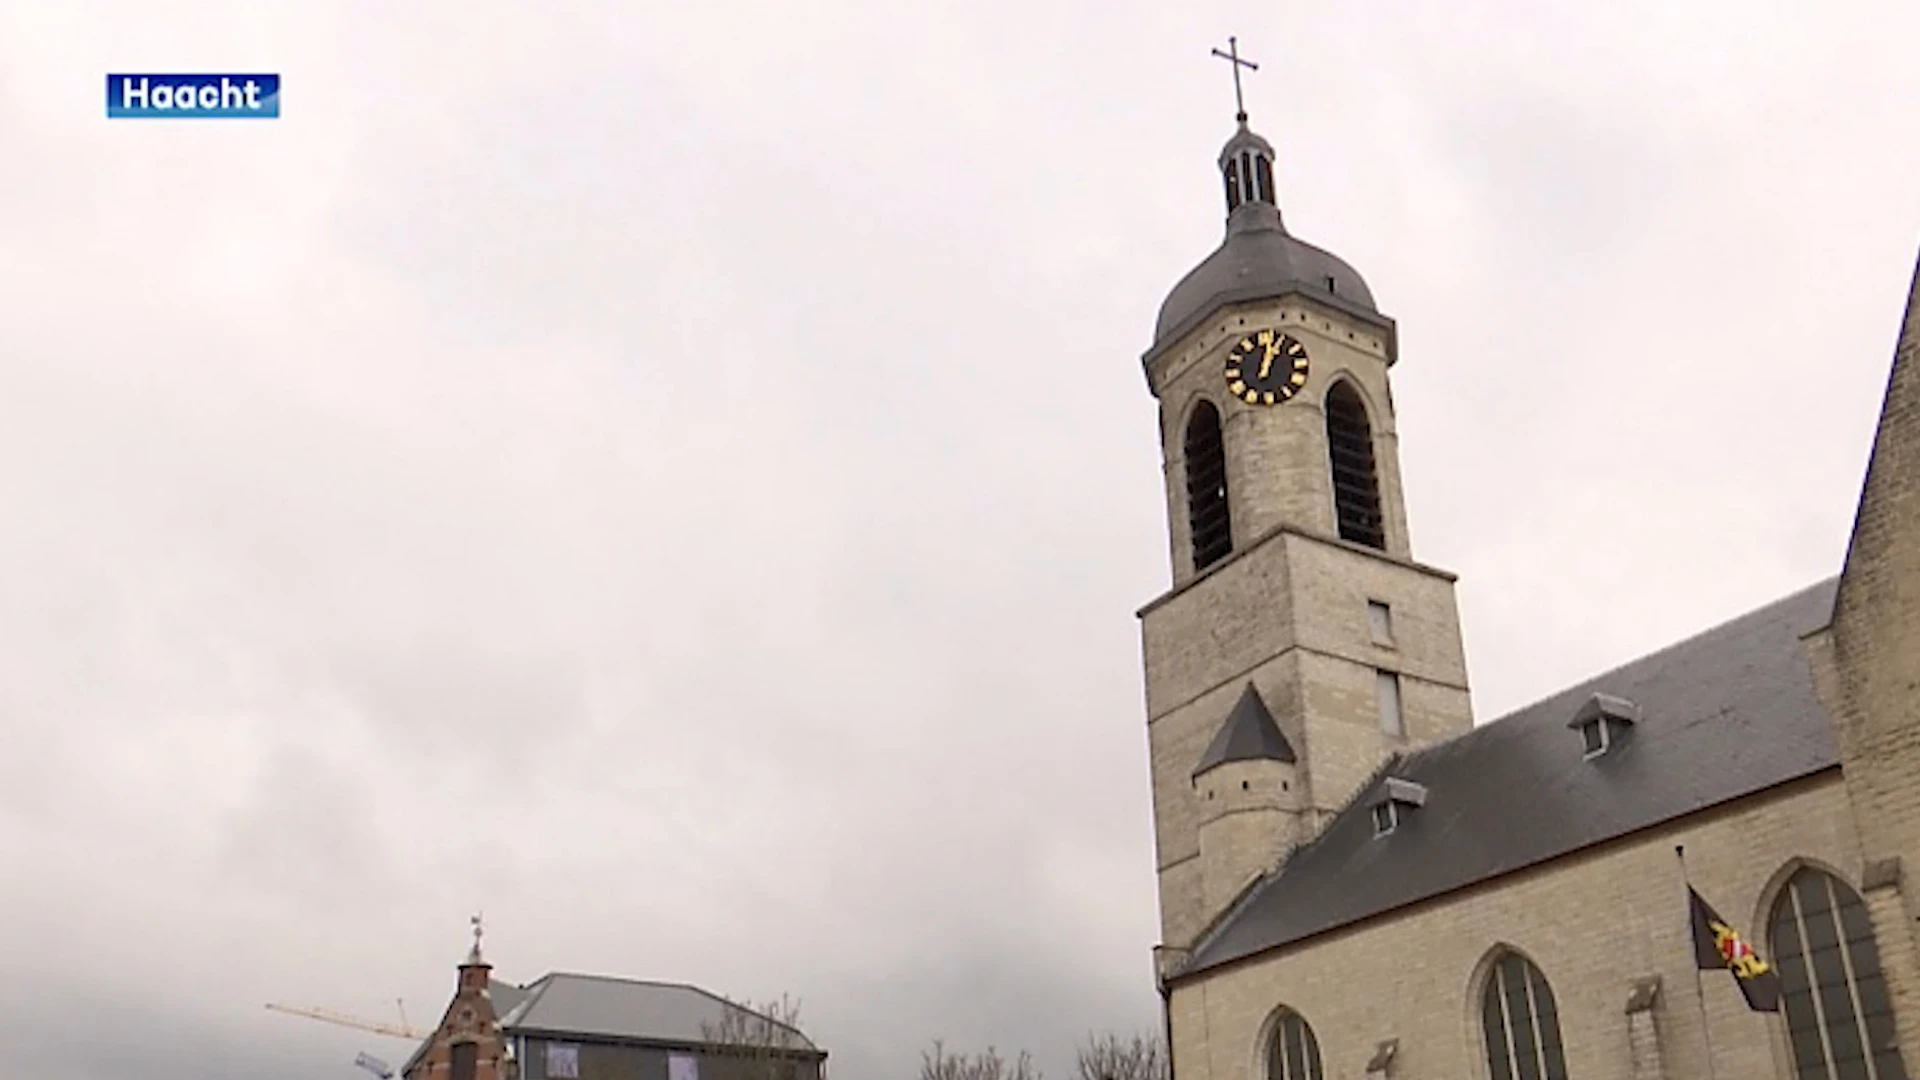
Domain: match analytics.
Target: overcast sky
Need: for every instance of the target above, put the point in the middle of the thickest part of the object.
(678, 477)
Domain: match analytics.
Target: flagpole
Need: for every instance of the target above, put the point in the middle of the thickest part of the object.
(1699, 982)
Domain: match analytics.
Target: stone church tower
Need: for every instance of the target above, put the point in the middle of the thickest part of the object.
(1357, 881)
(1301, 644)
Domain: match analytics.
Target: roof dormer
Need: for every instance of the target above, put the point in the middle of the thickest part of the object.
(1396, 799)
(1602, 722)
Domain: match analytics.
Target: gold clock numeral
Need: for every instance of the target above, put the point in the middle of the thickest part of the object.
(1268, 343)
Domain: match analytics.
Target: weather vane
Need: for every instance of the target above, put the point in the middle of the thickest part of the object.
(478, 931)
(1232, 56)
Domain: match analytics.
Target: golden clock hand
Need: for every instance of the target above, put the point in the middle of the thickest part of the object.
(1266, 363)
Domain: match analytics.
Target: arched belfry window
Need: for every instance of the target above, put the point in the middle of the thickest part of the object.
(1207, 516)
(1356, 483)
(1249, 175)
(1292, 1051)
(1522, 1026)
(1839, 1016)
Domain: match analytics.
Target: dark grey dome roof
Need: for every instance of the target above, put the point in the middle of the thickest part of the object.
(1245, 139)
(1258, 259)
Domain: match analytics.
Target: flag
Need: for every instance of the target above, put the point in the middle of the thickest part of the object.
(1716, 944)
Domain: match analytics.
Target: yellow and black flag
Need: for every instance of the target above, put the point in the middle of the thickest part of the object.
(1716, 944)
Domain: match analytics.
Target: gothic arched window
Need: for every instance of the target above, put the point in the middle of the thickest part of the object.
(1207, 516)
(1356, 486)
(1292, 1051)
(1522, 1026)
(1839, 1017)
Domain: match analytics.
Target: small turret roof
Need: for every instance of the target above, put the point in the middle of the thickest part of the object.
(1249, 734)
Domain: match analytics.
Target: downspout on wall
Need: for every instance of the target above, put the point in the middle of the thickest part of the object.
(1166, 1023)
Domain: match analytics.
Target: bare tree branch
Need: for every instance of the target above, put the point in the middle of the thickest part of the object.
(1108, 1057)
(938, 1064)
(758, 1042)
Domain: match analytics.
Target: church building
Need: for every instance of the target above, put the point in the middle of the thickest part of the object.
(1357, 881)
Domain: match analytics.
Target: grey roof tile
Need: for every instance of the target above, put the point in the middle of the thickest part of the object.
(1258, 260)
(628, 1010)
(1721, 715)
(1247, 734)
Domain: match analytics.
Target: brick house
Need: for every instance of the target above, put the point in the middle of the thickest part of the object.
(565, 1026)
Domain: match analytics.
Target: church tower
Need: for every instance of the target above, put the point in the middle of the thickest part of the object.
(1301, 645)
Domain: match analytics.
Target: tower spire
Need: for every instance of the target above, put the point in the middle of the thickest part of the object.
(1232, 57)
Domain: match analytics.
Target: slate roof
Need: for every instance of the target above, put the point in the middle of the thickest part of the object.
(625, 1010)
(1724, 714)
(1249, 733)
(506, 997)
(1258, 260)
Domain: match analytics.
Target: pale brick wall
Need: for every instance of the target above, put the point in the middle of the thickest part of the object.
(1593, 922)
(1249, 816)
(1870, 659)
(1218, 628)
(1277, 466)
(1176, 741)
(1288, 609)
(1290, 614)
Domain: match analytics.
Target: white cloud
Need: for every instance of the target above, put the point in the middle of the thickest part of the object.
(680, 480)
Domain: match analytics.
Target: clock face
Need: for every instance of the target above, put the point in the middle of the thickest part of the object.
(1266, 367)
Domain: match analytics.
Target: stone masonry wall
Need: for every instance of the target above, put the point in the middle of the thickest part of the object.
(1595, 923)
(1872, 658)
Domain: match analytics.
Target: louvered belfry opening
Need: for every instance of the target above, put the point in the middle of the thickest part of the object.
(1232, 172)
(1356, 484)
(1212, 528)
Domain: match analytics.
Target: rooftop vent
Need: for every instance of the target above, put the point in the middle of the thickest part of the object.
(1602, 721)
(1396, 798)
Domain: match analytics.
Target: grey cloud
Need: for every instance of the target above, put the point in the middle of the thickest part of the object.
(687, 494)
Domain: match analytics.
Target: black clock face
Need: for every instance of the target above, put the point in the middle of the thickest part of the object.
(1266, 367)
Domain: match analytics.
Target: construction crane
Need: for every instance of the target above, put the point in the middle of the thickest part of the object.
(402, 1030)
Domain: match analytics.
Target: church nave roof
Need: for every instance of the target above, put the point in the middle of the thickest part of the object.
(1724, 714)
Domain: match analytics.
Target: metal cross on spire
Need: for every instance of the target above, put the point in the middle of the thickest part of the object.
(1232, 56)
(478, 932)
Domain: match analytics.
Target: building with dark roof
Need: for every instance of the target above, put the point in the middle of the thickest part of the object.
(1358, 880)
(564, 1026)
